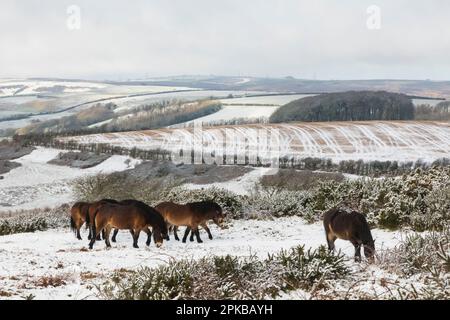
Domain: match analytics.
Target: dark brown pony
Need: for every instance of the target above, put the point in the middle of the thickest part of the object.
(136, 217)
(78, 216)
(191, 215)
(148, 231)
(351, 226)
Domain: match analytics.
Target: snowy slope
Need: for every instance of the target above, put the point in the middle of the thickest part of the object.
(372, 140)
(38, 184)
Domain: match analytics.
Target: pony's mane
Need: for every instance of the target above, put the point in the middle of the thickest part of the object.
(154, 217)
(204, 206)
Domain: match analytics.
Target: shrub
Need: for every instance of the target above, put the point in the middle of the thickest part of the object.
(34, 220)
(121, 186)
(301, 268)
(227, 277)
(420, 253)
(420, 200)
(275, 202)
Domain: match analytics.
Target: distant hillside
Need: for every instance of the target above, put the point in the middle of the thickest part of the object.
(347, 106)
(423, 88)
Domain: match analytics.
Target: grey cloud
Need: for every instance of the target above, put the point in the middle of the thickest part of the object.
(323, 39)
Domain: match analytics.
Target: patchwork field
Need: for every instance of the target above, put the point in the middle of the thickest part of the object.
(374, 140)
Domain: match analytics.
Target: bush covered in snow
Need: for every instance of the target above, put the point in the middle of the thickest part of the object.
(120, 186)
(275, 202)
(34, 220)
(228, 277)
(420, 253)
(420, 200)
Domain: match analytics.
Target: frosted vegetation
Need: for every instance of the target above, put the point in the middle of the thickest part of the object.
(419, 200)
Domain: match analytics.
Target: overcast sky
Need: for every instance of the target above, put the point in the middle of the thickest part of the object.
(307, 39)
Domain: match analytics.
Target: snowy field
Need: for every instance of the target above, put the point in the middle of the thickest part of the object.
(29, 259)
(230, 112)
(278, 100)
(37, 184)
(372, 140)
(33, 87)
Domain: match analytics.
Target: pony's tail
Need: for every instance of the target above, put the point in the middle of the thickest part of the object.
(94, 227)
(73, 226)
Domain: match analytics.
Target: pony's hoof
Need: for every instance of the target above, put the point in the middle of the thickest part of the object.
(210, 238)
(137, 247)
(113, 240)
(79, 238)
(200, 241)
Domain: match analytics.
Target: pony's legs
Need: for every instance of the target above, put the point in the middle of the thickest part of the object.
(186, 233)
(205, 226)
(102, 233)
(149, 236)
(95, 233)
(78, 225)
(175, 233)
(169, 228)
(197, 234)
(78, 234)
(106, 234)
(357, 246)
(116, 231)
(135, 238)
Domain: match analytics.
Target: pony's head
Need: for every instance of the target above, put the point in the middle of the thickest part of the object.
(218, 215)
(159, 234)
(369, 250)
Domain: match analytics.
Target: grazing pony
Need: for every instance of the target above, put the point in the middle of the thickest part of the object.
(78, 216)
(191, 215)
(136, 217)
(148, 231)
(351, 226)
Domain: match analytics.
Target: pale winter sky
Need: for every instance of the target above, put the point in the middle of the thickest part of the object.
(307, 39)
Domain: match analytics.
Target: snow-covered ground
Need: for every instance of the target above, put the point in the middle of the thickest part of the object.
(242, 185)
(29, 87)
(37, 184)
(233, 112)
(27, 259)
(278, 100)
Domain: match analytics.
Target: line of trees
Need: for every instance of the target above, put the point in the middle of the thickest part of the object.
(347, 106)
(153, 116)
(441, 111)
